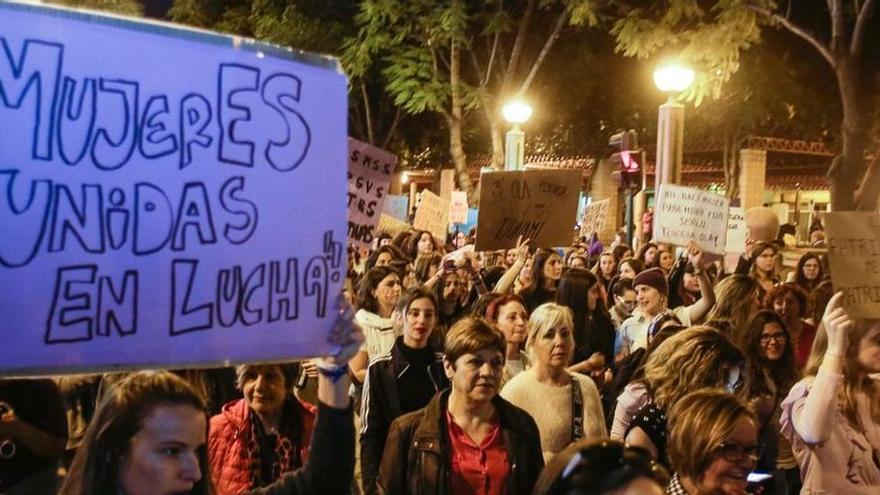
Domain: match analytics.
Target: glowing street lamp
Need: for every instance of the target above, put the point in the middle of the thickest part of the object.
(672, 79)
(516, 113)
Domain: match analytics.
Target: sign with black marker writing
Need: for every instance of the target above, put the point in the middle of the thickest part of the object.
(684, 214)
(540, 205)
(432, 215)
(170, 197)
(369, 175)
(595, 217)
(854, 256)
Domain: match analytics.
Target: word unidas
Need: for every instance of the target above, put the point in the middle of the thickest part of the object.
(98, 218)
(108, 118)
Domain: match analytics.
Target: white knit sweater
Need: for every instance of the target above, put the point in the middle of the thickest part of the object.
(550, 406)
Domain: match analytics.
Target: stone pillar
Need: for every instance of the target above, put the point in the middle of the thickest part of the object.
(605, 187)
(752, 177)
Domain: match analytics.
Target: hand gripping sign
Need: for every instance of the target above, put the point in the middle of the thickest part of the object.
(168, 197)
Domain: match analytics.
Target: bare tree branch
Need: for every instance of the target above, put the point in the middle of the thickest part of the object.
(554, 35)
(797, 30)
(515, 52)
(367, 112)
(495, 42)
(858, 37)
(387, 141)
(838, 26)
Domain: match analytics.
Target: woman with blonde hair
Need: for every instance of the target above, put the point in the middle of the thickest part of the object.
(736, 301)
(702, 357)
(713, 444)
(832, 416)
(566, 406)
(763, 266)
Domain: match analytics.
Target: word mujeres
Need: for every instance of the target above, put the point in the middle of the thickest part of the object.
(110, 120)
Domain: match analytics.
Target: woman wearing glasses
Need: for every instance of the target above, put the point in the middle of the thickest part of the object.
(713, 444)
(832, 416)
(790, 303)
(770, 374)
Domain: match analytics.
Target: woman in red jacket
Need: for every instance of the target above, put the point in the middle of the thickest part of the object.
(255, 440)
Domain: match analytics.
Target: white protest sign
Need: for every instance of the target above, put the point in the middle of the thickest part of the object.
(177, 198)
(458, 207)
(595, 217)
(854, 256)
(683, 214)
(432, 215)
(369, 174)
(736, 231)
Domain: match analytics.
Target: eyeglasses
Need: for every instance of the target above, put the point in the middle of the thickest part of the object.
(777, 337)
(734, 452)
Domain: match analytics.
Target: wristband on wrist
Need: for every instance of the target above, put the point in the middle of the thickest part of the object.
(333, 371)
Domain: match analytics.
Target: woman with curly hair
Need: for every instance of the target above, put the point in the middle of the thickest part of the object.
(736, 301)
(702, 357)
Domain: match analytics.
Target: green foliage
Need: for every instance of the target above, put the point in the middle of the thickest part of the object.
(122, 7)
(709, 39)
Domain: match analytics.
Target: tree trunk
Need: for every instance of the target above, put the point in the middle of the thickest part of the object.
(849, 166)
(496, 129)
(456, 148)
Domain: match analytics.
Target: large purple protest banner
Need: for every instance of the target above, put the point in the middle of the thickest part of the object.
(168, 197)
(369, 174)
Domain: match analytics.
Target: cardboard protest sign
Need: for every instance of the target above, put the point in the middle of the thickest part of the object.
(854, 255)
(458, 207)
(595, 217)
(540, 205)
(683, 214)
(396, 206)
(177, 197)
(432, 215)
(390, 225)
(369, 174)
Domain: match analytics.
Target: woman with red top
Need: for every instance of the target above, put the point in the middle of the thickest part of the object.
(467, 439)
(789, 301)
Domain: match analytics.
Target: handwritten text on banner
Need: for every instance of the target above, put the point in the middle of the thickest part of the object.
(178, 213)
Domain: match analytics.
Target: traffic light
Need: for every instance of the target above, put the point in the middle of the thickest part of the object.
(628, 159)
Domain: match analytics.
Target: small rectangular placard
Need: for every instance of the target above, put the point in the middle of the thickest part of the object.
(458, 207)
(595, 217)
(854, 255)
(540, 205)
(170, 198)
(432, 215)
(736, 231)
(369, 174)
(684, 214)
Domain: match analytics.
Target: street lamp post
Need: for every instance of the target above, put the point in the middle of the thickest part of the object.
(516, 113)
(671, 79)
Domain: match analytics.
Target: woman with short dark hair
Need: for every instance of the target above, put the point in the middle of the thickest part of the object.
(253, 441)
(467, 439)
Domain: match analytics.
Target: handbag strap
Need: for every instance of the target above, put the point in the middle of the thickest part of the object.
(577, 411)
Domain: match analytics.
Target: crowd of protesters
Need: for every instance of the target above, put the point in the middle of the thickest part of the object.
(551, 371)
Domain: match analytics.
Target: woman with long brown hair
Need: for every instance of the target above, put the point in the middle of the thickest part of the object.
(832, 416)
